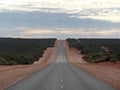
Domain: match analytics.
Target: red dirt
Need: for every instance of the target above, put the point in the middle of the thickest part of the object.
(73, 55)
(106, 71)
(11, 74)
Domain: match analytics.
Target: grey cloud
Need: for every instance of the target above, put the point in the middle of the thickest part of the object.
(11, 21)
(50, 20)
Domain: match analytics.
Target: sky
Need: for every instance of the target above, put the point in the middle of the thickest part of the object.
(60, 18)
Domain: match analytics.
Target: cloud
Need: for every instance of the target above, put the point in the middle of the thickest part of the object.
(94, 9)
(50, 20)
(60, 18)
(61, 33)
(35, 32)
(93, 32)
(107, 32)
(107, 14)
(74, 32)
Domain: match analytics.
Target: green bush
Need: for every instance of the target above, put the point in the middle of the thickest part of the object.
(3, 61)
(113, 58)
(95, 57)
(93, 51)
(22, 51)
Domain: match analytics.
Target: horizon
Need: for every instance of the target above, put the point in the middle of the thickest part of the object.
(60, 19)
(54, 38)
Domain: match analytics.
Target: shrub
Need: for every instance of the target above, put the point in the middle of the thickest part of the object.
(3, 61)
(93, 50)
(22, 51)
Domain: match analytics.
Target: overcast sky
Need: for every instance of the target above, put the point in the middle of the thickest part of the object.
(60, 18)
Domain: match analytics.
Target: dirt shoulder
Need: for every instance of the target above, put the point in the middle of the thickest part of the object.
(107, 72)
(11, 74)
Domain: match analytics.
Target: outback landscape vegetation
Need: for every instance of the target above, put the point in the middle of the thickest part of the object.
(15, 51)
(97, 50)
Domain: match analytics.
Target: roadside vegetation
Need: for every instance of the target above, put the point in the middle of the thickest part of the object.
(22, 51)
(97, 50)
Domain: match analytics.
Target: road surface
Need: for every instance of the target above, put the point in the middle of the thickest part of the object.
(60, 76)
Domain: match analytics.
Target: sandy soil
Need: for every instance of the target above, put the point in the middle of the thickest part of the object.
(106, 71)
(11, 74)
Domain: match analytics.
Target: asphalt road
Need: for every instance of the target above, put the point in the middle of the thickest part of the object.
(60, 76)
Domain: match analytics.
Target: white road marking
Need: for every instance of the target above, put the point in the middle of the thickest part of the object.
(61, 86)
(61, 80)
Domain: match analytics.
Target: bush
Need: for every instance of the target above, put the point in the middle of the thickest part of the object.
(22, 51)
(3, 61)
(12, 63)
(113, 58)
(94, 49)
(96, 57)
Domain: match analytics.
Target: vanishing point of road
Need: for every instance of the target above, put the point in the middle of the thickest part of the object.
(60, 76)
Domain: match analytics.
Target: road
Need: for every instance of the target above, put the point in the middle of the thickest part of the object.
(60, 76)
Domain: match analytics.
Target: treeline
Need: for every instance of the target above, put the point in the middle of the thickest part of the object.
(22, 51)
(98, 50)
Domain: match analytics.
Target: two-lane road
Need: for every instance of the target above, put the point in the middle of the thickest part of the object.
(60, 76)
